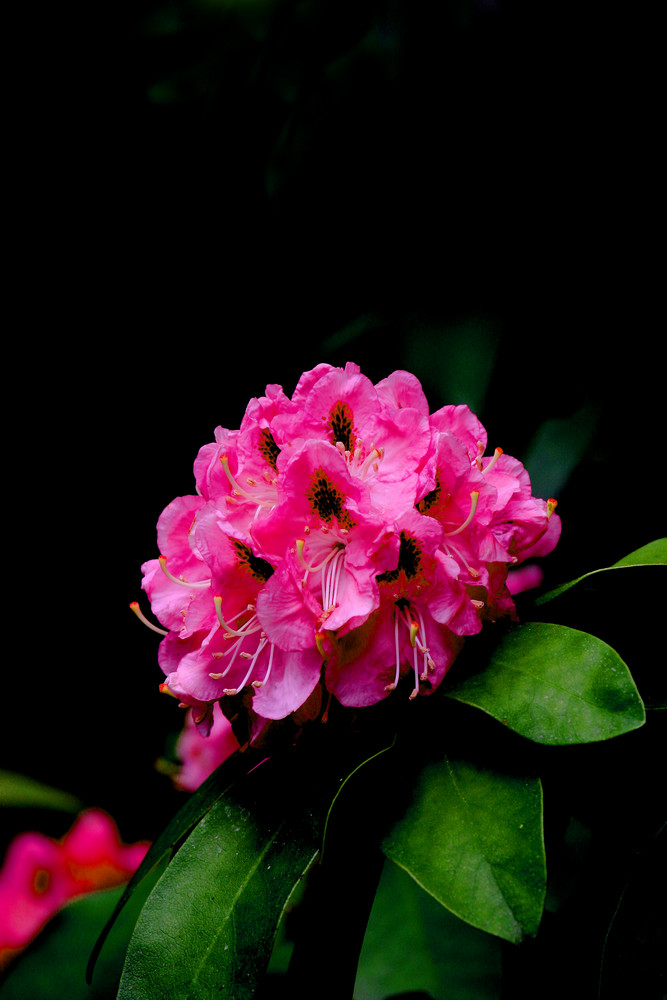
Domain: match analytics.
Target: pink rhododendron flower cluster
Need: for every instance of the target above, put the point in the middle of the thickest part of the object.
(40, 874)
(338, 540)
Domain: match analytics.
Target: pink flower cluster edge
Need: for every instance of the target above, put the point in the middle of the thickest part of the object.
(338, 541)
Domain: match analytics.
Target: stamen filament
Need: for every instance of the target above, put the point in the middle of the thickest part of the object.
(392, 686)
(300, 544)
(245, 629)
(415, 691)
(423, 648)
(258, 684)
(471, 569)
(376, 453)
(238, 490)
(234, 650)
(331, 579)
(260, 646)
(142, 618)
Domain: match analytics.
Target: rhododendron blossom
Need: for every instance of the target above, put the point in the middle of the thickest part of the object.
(338, 541)
(198, 757)
(40, 874)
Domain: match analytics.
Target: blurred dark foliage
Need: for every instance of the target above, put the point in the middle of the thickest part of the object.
(219, 194)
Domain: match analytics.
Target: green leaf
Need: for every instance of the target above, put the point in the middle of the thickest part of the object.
(17, 790)
(472, 838)
(653, 554)
(555, 685)
(208, 927)
(440, 955)
(196, 806)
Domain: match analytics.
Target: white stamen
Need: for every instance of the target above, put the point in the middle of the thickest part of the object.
(300, 543)
(258, 684)
(331, 580)
(423, 648)
(260, 646)
(392, 686)
(415, 691)
(238, 490)
(473, 572)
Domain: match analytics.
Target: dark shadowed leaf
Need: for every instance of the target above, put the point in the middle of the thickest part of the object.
(185, 820)
(652, 554)
(633, 957)
(472, 838)
(555, 685)
(23, 792)
(413, 943)
(209, 925)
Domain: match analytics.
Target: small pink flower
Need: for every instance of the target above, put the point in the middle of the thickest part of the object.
(200, 757)
(40, 874)
(524, 578)
(343, 537)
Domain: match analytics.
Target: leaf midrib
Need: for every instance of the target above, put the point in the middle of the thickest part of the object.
(471, 827)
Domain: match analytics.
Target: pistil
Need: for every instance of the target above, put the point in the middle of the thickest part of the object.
(252, 625)
(474, 497)
(496, 455)
(197, 584)
(142, 618)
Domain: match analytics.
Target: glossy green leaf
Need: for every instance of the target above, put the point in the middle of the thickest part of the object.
(472, 838)
(555, 685)
(208, 927)
(17, 790)
(196, 806)
(413, 943)
(653, 554)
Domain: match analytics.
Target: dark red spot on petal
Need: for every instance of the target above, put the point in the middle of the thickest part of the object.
(341, 422)
(268, 448)
(327, 501)
(258, 568)
(409, 560)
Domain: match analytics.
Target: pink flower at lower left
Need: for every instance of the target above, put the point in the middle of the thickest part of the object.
(40, 874)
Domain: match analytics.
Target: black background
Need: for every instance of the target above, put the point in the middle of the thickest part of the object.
(207, 201)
